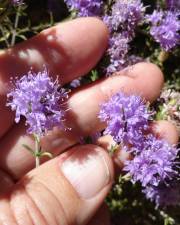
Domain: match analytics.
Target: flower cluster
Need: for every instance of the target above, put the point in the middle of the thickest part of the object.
(125, 16)
(118, 50)
(39, 100)
(170, 107)
(127, 119)
(173, 4)
(164, 195)
(154, 164)
(122, 22)
(155, 160)
(86, 7)
(165, 27)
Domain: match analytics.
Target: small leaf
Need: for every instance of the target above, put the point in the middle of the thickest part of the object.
(28, 148)
(48, 154)
(173, 102)
(113, 149)
(94, 75)
(125, 178)
(38, 154)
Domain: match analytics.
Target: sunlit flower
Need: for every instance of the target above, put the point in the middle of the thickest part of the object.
(40, 100)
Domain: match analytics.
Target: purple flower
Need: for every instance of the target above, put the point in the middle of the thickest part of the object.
(164, 195)
(39, 100)
(122, 22)
(17, 2)
(133, 59)
(125, 16)
(127, 118)
(164, 28)
(118, 50)
(76, 83)
(86, 7)
(173, 4)
(154, 164)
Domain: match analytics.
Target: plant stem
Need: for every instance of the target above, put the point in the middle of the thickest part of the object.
(15, 26)
(5, 38)
(37, 151)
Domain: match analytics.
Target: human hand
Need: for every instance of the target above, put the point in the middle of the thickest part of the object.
(70, 188)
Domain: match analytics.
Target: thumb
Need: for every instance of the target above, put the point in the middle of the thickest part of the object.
(66, 190)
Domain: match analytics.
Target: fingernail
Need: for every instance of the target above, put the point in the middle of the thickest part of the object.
(88, 171)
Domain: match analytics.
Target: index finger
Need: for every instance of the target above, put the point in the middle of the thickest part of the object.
(69, 50)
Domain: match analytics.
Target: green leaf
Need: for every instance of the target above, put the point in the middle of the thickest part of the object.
(113, 149)
(94, 75)
(28, 148)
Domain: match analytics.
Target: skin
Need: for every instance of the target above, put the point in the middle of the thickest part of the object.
(34, 196)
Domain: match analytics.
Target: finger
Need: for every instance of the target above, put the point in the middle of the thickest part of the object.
(6, 182)
(69, 50)
(82, 116)
(85, 103)
(161, 129)
(119, 157)
(166, 130)
(66, 190)
(101, 217)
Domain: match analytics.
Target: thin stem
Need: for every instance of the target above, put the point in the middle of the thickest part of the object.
(5, 39)
(37, 151)
(15, 26)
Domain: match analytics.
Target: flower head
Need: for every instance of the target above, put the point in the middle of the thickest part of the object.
(125, 16)
(164, 28)
(39, 100)
(86, 7)
(127, 118)
(17, 2)
(122, 22)
(154, 164)
(75, 83)
(173, 4)
(164, 195)
(118, 50)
